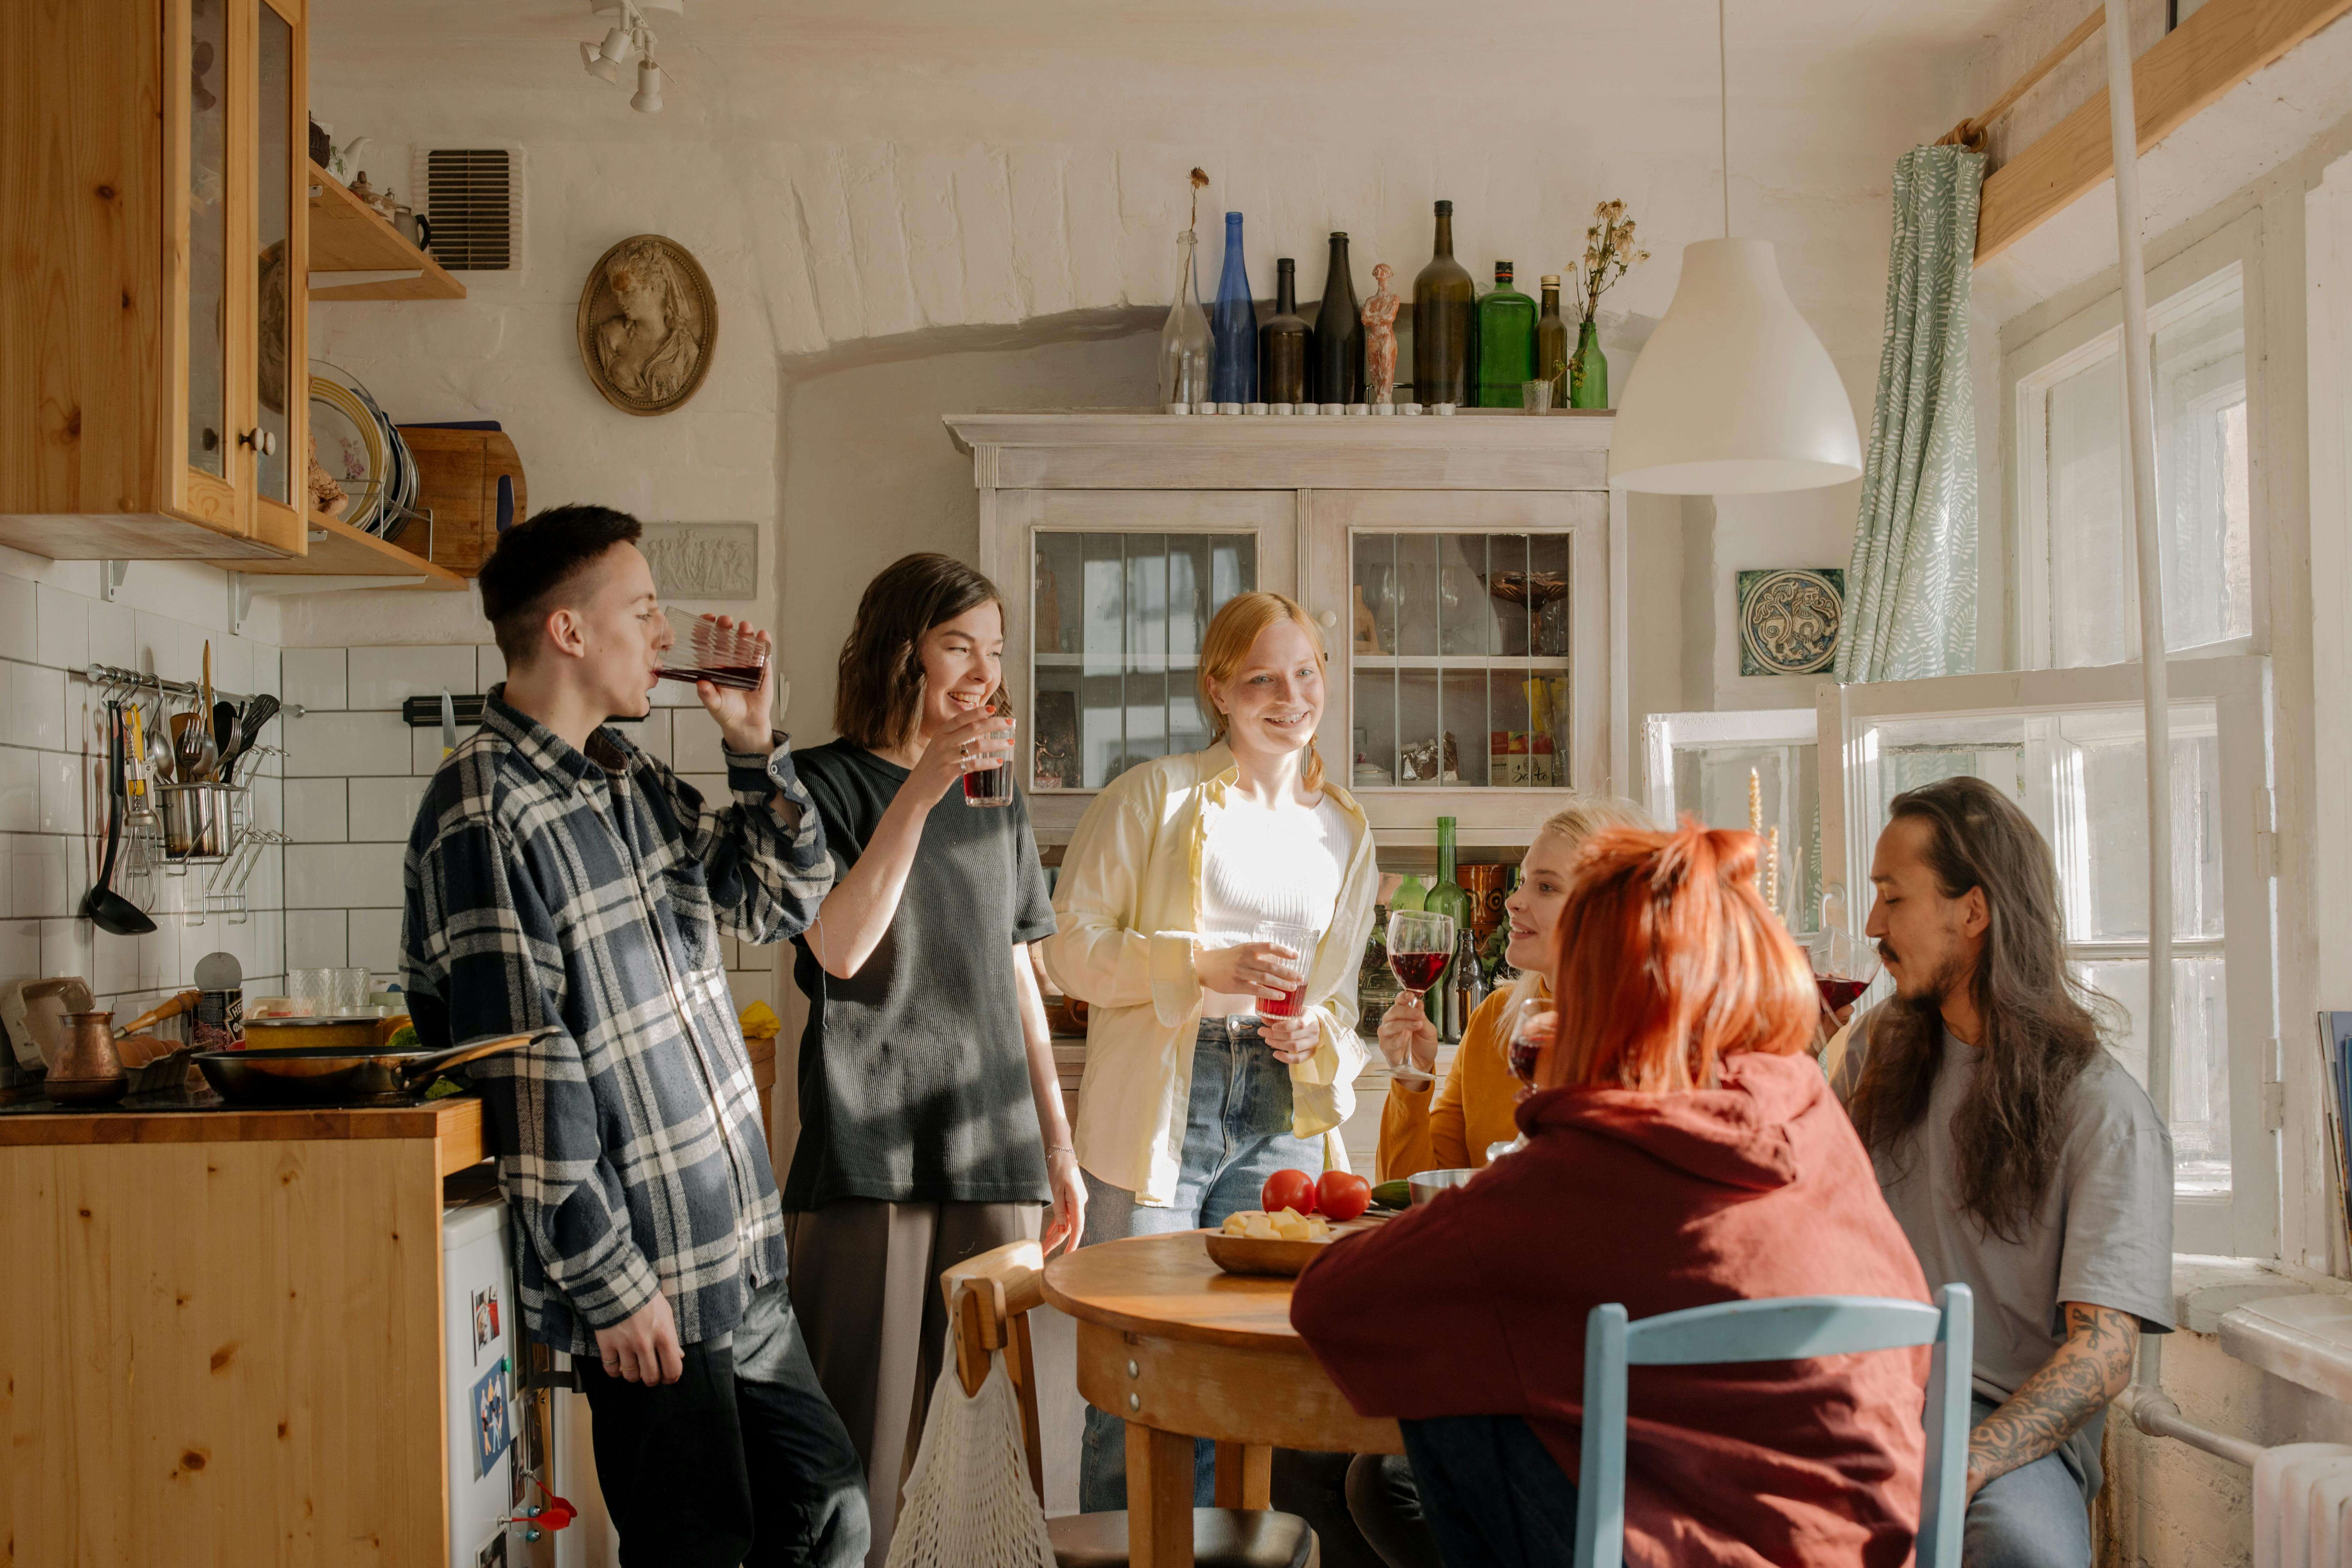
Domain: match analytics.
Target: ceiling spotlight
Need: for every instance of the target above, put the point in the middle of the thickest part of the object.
(648, 95)
(604, 60)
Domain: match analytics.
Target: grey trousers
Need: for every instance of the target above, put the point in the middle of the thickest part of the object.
(866, 1289)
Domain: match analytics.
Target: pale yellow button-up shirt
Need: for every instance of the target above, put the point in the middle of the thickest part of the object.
(1127, 908)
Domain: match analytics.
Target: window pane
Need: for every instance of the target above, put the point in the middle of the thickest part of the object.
(2200, 1059)
(2090, 567)
(2201, 465)
(2102, 825)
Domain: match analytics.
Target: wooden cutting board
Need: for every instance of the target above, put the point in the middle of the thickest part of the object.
(458, 473)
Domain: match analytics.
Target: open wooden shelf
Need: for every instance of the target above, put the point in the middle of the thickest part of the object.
(348, 236)
(339, 550)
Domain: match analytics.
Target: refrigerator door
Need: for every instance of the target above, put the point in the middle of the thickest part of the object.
(481, 1353)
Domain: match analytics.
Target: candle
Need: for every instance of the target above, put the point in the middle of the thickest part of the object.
(1755, 803)
(1772, 869)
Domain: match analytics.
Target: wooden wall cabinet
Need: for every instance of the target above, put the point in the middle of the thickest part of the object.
(154, 202)
(1467, 572)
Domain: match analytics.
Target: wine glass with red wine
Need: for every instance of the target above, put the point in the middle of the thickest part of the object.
(730, 655)
(1844, 966)
(1420, 943)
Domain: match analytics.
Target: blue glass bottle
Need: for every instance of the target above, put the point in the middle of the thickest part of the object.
(1233, 377)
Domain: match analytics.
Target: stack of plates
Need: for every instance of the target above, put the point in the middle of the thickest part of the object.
(362, 447)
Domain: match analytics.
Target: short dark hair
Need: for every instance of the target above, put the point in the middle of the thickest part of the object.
(876, 695)
(535, 559)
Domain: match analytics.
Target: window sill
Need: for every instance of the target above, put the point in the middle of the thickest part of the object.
(2292, 1324)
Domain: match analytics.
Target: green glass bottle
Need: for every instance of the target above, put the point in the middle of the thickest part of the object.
(1409, 893)
(1551, 343)
(1507, 342)
(1588, 371)
(1443, 298)
(1447, 897)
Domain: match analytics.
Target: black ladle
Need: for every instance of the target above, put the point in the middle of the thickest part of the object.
(110, 911)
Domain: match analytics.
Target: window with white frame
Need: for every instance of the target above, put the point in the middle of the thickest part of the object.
(2077, 584)
(2068, 746)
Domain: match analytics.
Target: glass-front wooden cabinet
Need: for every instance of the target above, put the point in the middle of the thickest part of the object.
(154, 381)
(1468, 622)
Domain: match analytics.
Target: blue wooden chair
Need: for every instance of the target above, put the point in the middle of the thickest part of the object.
(1784, 1329)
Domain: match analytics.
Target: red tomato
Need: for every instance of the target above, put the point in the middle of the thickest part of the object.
(1287, 1190)
(1342, 1195)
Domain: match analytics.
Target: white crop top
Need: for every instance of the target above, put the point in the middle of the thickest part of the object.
(1281, 865)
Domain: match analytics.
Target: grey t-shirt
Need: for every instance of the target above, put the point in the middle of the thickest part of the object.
(2102, 1235)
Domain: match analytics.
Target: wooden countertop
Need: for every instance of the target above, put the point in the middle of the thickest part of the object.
(455, 1125)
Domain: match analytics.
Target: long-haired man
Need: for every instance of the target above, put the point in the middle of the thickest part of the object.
(2018, 1155)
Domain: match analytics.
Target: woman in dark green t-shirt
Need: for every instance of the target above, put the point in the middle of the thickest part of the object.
(931, 1120)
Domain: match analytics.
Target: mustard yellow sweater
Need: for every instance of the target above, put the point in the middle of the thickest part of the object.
(1448, 1126)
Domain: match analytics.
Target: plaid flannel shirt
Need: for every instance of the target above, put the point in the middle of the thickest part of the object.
(588, 892)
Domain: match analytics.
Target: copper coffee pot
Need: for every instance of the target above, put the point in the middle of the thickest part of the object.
(89, 1071)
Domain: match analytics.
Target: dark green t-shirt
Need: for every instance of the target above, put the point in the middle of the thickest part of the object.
(914, 1078)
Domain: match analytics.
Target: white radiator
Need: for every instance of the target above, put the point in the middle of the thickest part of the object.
(2303, 1506)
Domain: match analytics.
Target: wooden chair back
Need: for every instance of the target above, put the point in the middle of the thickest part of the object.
(989, 1301)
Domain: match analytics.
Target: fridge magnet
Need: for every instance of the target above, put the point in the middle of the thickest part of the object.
(647, 323)
(1788, 620)
(491, 1434)
(493, 1554)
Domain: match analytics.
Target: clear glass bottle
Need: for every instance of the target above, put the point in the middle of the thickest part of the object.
(1233, 323)
(1588, 371)
(1376, 982)
(1551, 343)
(1282, 343)
(1186, 347)
(1442, 299)
(1336, 363)
(1506, 342)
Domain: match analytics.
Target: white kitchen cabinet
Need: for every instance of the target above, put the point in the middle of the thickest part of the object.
(1482, 678)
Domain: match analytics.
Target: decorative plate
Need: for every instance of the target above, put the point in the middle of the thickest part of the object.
(350, 446)
(1788, 620)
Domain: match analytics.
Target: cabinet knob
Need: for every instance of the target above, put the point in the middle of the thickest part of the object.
(262, 441)
(1330, 618)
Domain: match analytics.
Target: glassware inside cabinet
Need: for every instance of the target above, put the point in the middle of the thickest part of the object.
(1118, 620)
(1459, 657)
(1712, 783)
(273, 211)
(208, 235)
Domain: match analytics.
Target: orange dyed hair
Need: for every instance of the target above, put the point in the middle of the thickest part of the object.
(1669, 962)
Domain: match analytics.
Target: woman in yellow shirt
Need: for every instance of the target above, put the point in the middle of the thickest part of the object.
(1450, 1126)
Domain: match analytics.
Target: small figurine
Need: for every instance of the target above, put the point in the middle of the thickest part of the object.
(1379, 337)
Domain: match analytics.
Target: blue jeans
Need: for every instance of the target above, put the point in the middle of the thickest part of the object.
(1491, 1493)
(1236, 1134)
(2038, 1515)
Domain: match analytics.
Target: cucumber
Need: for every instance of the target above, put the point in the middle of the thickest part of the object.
(1392, 1195)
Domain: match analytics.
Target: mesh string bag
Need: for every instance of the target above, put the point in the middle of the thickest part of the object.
(967, 1502)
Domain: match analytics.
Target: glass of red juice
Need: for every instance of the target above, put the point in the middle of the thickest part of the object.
(728, 656)
(992, 785)
(1300, 941)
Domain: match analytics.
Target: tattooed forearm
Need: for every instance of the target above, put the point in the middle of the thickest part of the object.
(2090, 1369)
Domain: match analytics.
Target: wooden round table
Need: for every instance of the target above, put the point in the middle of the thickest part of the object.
(1178, 1349)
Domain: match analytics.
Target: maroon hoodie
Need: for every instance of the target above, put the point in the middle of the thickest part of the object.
(1475, 1305)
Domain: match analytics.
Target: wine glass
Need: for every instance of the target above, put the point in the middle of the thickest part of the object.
(1420, 943)
(1533, 1022)
(1844, 966)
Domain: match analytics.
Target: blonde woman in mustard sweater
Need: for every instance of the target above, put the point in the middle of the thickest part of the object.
(1450, 1126)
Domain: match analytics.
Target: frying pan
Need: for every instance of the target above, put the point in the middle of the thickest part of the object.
(314, 1075)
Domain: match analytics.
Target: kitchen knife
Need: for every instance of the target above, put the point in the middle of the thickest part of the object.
(448, 725)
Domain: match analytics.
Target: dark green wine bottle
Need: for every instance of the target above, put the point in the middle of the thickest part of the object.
(1334, 363)
(1282, 341)
(1507, 342)
(1442, 297)
(1551, 343)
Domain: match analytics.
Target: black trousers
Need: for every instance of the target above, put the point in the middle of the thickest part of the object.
(731, 1464)
(1491, 1493)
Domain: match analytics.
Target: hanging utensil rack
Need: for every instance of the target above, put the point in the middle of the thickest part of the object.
(113, 680)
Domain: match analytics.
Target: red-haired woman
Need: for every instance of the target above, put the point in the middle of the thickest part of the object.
(1193, 1095)
(1682, 1150)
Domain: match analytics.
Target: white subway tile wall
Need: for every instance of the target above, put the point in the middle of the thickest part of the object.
(54, 797)
(358, 771)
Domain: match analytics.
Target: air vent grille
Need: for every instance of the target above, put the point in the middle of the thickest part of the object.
(469, 194)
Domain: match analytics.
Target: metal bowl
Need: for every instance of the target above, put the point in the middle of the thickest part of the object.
(1426, 1184)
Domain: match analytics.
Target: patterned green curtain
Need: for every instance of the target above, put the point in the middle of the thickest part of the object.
(1911, 592)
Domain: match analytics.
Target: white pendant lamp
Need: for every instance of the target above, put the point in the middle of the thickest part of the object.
(1733, 395)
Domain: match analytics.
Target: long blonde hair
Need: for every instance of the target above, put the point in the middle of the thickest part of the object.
(1231, 635)
(1580, 819)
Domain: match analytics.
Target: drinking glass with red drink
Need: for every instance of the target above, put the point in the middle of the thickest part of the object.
(1844, 966)
(1533, 1024)
(1300, 942)
(992, 785)
(1420, 943)
(730, 656)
